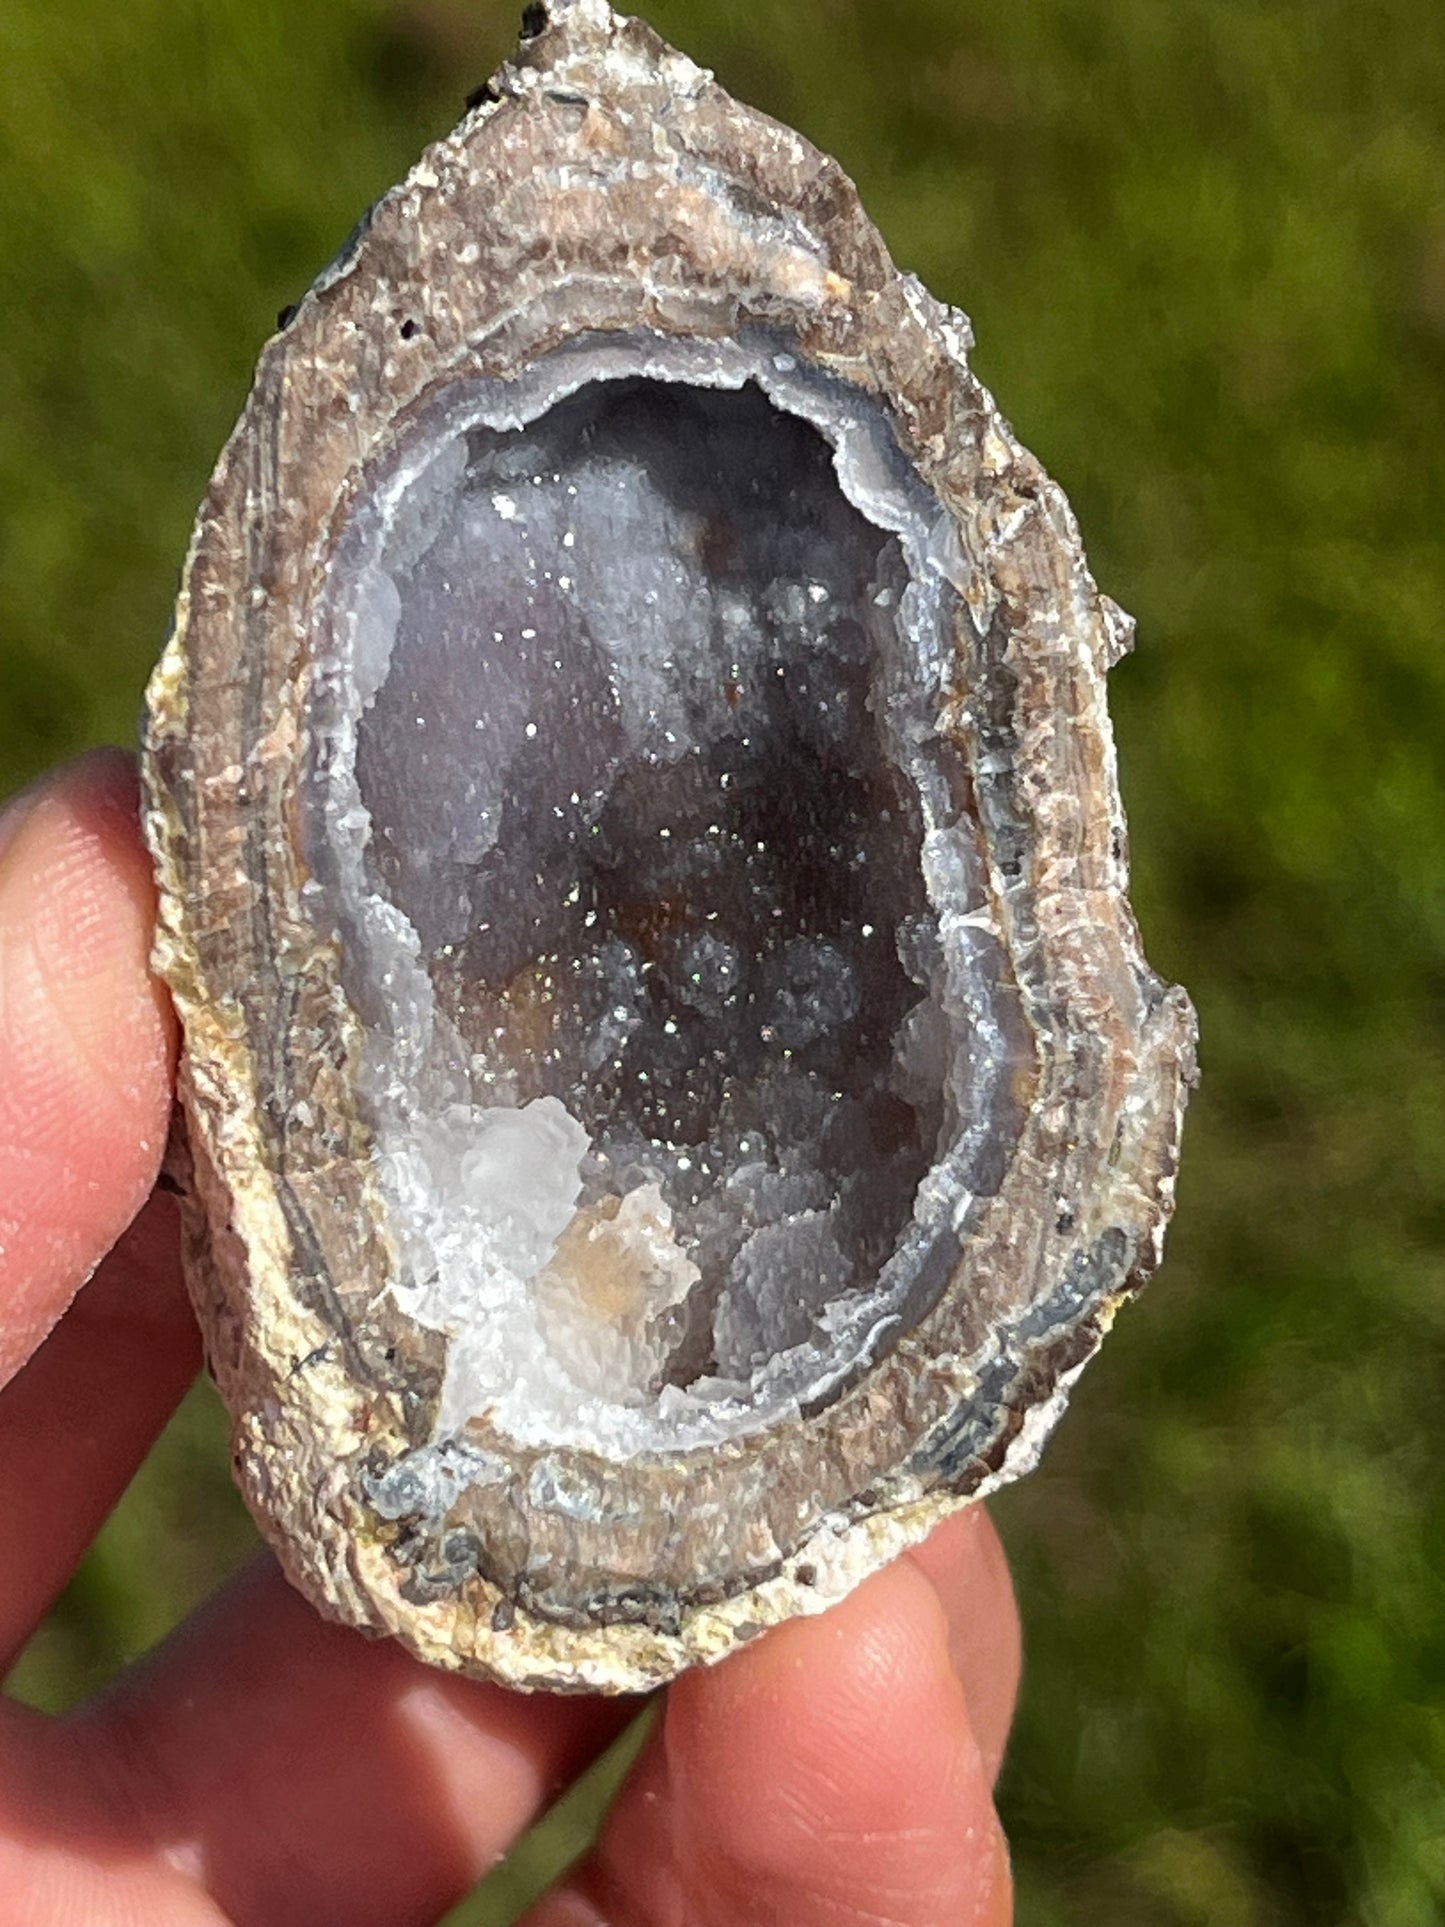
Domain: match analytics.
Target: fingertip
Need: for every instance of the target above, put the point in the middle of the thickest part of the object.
(966, 1563)
(87, 1039)
(819, 1684)
(836, 1759)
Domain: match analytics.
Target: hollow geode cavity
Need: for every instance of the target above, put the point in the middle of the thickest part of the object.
(674, 1093)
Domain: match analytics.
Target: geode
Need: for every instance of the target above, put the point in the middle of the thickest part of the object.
(674, 1093)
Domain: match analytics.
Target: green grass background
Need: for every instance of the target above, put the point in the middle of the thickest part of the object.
(1203, 245)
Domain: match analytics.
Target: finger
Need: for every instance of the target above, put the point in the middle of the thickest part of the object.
(303, 1774)
(828, 1777)
(69, 1855)
(969, 1570)
(86, 1040)
(82, 1414)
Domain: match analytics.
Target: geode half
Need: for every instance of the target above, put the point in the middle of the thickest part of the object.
(675, 1096)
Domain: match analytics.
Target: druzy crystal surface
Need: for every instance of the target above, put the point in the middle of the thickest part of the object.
(639, 824)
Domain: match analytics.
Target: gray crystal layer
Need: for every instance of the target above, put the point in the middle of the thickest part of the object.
(675, 1095)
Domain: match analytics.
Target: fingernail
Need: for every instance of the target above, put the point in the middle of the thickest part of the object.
(14, 814)
(91, 775)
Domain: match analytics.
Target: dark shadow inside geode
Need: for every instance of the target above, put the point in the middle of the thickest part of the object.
(633, 776)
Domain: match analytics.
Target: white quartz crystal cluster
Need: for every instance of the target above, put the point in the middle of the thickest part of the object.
(631, 796)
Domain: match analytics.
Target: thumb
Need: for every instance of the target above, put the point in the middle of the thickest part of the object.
(86, 1039)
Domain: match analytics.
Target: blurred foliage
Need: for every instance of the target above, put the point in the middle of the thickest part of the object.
(1204, 248)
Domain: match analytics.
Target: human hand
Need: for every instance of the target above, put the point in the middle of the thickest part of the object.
(266, 1768)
